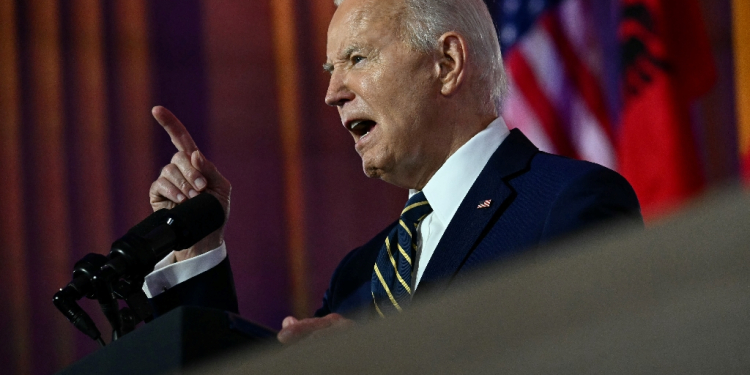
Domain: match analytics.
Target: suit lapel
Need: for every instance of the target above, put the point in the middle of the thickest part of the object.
(468, 224)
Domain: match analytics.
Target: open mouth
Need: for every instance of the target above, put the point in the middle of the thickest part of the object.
(361, 128)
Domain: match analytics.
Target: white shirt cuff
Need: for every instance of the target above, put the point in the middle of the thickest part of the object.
(168, 273)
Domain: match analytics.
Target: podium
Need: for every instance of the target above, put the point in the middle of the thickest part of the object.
(183, 337)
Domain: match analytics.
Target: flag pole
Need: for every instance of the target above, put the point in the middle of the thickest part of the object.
(741, 39)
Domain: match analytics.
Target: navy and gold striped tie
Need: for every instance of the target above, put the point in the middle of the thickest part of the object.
(391, 278)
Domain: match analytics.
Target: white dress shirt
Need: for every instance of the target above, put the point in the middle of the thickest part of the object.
(445, 191)
(168, 273)
(447, 188)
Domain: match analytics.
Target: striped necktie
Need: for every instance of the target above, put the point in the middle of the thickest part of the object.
(391, 278)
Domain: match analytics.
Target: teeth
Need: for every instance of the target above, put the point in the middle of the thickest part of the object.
(359, 123)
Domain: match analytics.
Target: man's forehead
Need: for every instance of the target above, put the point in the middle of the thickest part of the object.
(354, 17)
(357, 14)
(358, 9)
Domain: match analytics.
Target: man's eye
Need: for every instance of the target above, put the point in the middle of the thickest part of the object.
(357, 59)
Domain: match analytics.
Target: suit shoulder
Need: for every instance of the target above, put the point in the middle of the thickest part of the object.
(566, 167)
(570, 194)
(586, 193)
(560, 173)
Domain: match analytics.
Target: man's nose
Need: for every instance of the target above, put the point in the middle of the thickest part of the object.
(338, 93)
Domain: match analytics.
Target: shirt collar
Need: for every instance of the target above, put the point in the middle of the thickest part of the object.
(447, 188)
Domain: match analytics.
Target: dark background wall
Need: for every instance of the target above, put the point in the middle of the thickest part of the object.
(79, 148)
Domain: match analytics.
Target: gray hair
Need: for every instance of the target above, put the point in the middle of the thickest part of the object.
(426, 20)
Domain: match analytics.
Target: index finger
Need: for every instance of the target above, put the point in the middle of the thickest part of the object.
(177, 132)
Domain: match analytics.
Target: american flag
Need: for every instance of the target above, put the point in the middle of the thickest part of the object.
(555, 68)
(485, 204)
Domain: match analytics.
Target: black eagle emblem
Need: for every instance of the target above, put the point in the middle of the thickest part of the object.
(643, 52)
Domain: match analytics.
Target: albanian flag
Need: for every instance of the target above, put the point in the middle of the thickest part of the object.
(667, 64)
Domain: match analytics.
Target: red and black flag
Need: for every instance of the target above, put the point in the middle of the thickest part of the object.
(667, 64)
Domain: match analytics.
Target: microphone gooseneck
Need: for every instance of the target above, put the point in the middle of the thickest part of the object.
(131, 257)
(65, 299)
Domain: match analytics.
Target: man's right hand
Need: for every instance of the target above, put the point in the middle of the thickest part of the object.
(188, 174)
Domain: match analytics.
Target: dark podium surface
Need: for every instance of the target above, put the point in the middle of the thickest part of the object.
(183, 337)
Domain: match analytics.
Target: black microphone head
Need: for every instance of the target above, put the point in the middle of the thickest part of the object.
(195, 219)
(137, 251)
(84, 270)
(89, 265)
(150, 223)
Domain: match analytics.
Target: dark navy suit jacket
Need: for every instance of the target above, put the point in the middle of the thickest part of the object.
(535, 197)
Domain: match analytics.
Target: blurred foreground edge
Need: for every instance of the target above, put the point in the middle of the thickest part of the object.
(672, 299)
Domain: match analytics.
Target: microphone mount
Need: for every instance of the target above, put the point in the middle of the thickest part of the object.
(131, 257)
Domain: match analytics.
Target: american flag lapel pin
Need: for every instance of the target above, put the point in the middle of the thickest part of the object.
(485, 203)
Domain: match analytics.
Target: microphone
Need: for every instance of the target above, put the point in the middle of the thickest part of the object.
(134, 255)
(138, 251)
(65, 299)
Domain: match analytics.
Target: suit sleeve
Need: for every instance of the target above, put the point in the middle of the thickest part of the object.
(342, 284)
(349, 291)
(213, 288)
(597, 196)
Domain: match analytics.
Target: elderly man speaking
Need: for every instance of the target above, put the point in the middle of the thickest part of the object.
(419, 85)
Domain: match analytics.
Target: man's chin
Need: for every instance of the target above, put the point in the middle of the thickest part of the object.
(384, 172)
(374, 167)
(381, 174)
(372, 172)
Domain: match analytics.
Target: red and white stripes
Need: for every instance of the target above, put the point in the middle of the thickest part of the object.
(556, 96)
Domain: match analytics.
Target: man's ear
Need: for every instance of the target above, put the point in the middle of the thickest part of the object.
(451, 62)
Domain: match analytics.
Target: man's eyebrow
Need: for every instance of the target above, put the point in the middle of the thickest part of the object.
(344, 55)
(348, 51)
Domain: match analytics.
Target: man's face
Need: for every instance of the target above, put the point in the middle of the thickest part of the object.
(385, 92)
